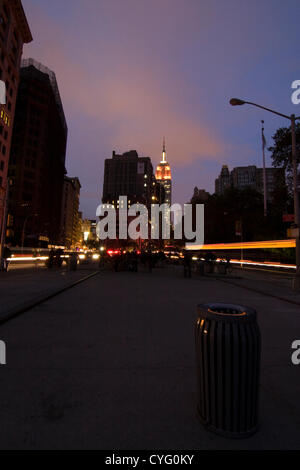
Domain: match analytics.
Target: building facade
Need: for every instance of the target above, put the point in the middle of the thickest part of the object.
(243, 176)
(132, 176)
(200, 196)
(128, 175)
(70, 216)
(14, 32)
(249, 176)
(86, 230)
(89, 232)
(223, 180)
(37, 160)
(274, 177)
(164, 178)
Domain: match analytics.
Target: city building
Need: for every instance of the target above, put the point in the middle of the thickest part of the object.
(223, 180)
(243, 176)
(274, 178)
(86, 229)
(14, 32)
(128, 175)
(80, 227)
(93, 232)
(89, 233)
(200, 196)
(164, 178)
(37, 159)
(70, 216)
(249, 176)
(158, 196)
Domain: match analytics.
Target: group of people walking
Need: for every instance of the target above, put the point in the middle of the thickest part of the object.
(130, 260)
(120, 260)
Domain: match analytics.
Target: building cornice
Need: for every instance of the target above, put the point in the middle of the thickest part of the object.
(21, 20)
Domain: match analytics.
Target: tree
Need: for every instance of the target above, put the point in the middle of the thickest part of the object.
(244, 205)
(282, 151)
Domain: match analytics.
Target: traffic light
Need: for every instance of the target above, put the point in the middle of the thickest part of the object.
(10, 221)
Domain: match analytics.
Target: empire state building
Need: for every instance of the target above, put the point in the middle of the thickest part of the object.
(164, 178)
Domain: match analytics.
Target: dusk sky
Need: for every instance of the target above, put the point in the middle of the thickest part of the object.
(132, 71)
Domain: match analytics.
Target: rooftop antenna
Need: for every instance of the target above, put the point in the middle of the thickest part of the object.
(164, 151)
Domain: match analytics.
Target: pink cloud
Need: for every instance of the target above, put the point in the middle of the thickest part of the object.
(139, 108)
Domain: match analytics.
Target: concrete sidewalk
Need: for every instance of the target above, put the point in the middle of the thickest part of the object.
(20, 287)
(272, 283)
(110, 364)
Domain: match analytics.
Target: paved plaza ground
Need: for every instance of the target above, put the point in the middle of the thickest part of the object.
(110, 363)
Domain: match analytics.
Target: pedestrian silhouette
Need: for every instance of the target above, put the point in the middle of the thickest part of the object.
(187, 264)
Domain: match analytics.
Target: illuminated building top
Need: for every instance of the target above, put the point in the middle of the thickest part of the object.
(163, 170)
(164, 178)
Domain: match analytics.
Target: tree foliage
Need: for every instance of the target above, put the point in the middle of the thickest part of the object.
(244, 205)
(281, 151)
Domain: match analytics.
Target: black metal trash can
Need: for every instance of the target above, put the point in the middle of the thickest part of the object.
(228, 347)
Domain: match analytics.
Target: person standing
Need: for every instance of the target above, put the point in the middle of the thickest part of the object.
(50, 260)
(6, 256)
(187, 264)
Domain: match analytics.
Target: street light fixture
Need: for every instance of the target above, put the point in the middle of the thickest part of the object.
(292, 118)
(236, 102)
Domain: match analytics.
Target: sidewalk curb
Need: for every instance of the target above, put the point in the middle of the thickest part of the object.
(16, 311)
(284, 299)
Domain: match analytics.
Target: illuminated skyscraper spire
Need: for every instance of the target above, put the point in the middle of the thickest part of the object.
(164, 152)
(163, 175)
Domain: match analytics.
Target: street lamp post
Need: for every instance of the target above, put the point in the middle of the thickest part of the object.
(292, 118)
(3, 226)
(264, 169)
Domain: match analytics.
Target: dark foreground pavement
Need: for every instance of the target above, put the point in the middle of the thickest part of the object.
(110, 364)
(21, 286)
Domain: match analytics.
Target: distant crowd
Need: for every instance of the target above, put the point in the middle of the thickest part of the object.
(134, 260)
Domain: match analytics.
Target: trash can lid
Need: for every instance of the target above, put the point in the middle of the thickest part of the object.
(225, 311)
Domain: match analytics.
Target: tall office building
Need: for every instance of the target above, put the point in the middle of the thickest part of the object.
(164, 188)
(14, 32)
(37, 160)
(70, 219)
(249, 176)
(164, 178)
(223, 180)
(128, 175)
(243, 176)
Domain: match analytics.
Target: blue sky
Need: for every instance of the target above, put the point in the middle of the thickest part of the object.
(132, 71)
